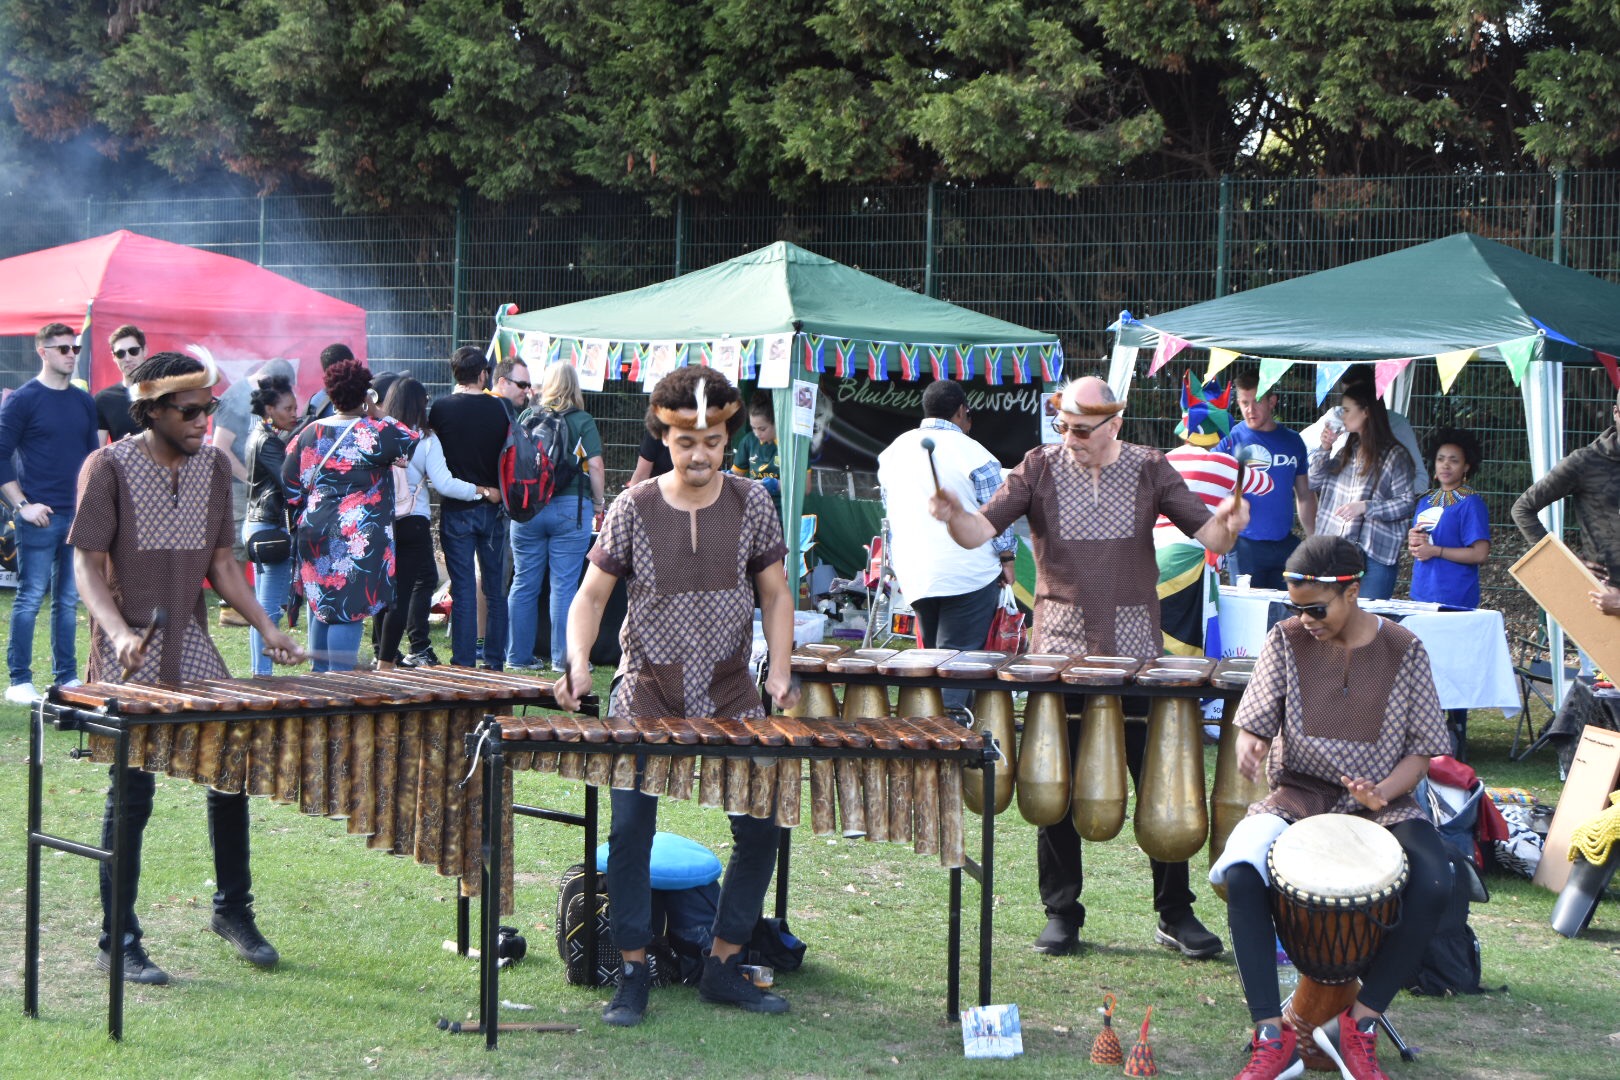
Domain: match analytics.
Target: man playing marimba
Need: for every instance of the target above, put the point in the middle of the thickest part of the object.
(161, 522)
(692, 545)
(1092, 501)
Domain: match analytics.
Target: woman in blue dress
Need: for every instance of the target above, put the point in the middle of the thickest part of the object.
(1450, 540)
(339, 473)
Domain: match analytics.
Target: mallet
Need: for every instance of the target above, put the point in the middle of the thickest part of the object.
(928, 445)
(160, 619)
(474, 1027)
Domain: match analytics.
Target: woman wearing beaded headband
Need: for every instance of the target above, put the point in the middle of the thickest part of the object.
(1343, 715)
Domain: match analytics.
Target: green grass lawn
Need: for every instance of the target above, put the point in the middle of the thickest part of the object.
(364, 972)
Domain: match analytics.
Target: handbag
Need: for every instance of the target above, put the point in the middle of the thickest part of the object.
(267, 547)
(1006, 625)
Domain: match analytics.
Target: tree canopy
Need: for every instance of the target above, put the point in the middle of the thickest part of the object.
(402, 103)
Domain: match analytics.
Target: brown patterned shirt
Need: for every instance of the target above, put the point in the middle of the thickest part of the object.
(689, 624)
(1096, 571)
(1330, 714)
(160, 541)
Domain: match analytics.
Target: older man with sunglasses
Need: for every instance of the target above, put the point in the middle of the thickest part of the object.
(50, 425)
(1092, 500)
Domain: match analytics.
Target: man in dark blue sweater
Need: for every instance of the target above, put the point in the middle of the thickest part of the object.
(50, 425)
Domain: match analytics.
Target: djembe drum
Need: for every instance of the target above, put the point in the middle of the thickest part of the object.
(1336, 882)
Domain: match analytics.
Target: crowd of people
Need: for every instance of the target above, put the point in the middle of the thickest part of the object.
(330, 507)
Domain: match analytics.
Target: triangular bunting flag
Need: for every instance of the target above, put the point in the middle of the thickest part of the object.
(1555, 335)
(1449, 364)
(1386, 371)
(1327, 376)
(1610, 365)
(1270, 371)
(1169, 345)
(1517, 354)
(1219, 361)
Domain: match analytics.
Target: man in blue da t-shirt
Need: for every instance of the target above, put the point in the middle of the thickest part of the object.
(1265, 545)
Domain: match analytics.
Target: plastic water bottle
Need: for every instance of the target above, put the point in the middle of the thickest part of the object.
(1287, 974)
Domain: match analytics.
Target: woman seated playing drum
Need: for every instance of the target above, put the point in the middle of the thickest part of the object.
(1352, 698)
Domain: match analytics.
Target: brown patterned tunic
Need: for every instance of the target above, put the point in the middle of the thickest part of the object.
(160, 541)
(689, 624)
(1330, 714)
(1097, 574)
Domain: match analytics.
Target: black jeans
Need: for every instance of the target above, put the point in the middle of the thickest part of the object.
(227, 835)
(415, 578)
(1057, 849)
(958, 622)
(629, 879)
(1248, 912)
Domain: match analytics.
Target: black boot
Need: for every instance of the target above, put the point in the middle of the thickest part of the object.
(629, 1002)
(724, 984)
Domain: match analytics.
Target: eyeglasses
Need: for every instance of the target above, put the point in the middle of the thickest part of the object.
(133, 350)
(1079, 431)
(519, 385)
(65, 350)
(1315, 611)
(188, 413)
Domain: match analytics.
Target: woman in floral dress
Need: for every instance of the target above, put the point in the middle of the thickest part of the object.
(339, 474)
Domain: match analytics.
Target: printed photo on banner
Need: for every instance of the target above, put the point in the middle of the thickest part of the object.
(726, 358)
(593, 365)
(775, 361)
(534, 349)
(662, 360)
(804, 408)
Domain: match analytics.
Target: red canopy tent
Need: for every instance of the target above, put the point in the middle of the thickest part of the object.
(184, 299)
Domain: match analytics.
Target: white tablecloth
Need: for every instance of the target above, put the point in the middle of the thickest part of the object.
(1467, 649)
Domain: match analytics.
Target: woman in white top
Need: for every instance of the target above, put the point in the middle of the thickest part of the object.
(415, 575)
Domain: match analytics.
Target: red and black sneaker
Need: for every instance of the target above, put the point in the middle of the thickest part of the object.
(1352, 1046)
(1273, 1055)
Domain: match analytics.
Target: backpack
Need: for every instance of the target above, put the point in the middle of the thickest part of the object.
(549, 430)
(603, 969)
(1451, 962)
(526, 480)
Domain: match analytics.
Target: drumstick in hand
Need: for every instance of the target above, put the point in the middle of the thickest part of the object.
(160, 618)
(928, 445)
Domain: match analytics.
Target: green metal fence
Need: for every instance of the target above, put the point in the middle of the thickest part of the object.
(1066, 264)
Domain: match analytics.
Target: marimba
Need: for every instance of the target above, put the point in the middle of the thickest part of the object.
(752, 766)
(377, 749)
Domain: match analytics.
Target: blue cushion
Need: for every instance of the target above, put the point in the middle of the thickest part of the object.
(677, 862)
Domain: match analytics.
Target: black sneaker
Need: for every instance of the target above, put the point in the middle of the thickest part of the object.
(629, 1002)
(243, 933)
(426, 658)
(1189, 937)
(723, 984)
(1060, 938)
(138, 967)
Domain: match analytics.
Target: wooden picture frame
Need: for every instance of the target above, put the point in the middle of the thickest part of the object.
(1559, 582)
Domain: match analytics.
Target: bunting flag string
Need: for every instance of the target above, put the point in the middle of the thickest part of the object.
(1271, 370)
(1165, 351)
(1020, 363)
(1386, 371)
(910, 370)
(1517, 354)
(1610, 364)
(877, 361)
(1219, 361)
(1449, 365)
(1328, 376)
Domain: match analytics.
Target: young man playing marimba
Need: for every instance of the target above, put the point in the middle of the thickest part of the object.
(161, 523)
(692, 545)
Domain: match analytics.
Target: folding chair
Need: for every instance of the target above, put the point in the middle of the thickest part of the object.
(883, 599)
(1533, 668)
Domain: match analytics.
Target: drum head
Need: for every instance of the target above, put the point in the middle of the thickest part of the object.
(1334, 856)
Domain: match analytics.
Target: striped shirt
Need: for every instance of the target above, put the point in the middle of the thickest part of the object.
(1211, 475)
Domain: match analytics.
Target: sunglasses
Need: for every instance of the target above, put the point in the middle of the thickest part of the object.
(1315, 611)
(133, 350)
(519, 385)
(65, 350)
(1079, 431)
(188, 413)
